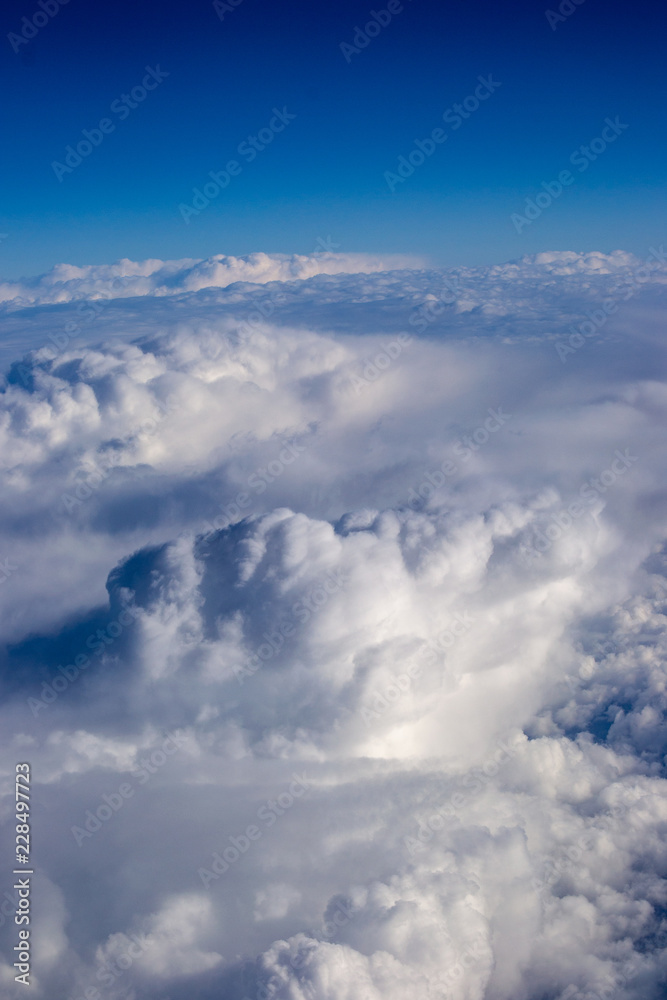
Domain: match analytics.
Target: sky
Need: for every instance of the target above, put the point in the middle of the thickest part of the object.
(333, 503)
(323, 178)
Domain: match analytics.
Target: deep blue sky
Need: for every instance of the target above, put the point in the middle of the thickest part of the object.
(324, 175)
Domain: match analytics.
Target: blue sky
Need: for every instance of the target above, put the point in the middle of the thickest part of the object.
(325, 174)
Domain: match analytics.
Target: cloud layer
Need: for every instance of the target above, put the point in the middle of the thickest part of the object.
(127, 278)
(335, 628)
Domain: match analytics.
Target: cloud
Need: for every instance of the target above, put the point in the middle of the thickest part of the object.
(340, 668)
(126, 278)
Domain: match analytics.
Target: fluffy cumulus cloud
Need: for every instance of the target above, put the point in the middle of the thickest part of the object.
(67, 283)
(334, 605)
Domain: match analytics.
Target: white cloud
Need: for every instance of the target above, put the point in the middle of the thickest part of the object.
(402, 611)
(127, 278)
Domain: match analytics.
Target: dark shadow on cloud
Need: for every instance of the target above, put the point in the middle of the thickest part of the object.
(104, 630)
(36, 658)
